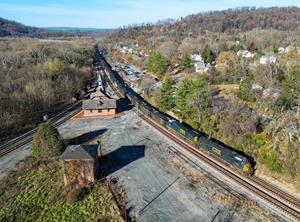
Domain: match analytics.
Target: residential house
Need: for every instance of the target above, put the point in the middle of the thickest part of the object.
(196, 58)
(199, 63)
(282, 50)
(200, 66)
(124, 49)
(245, 54)
(256, 87)
(265, 60)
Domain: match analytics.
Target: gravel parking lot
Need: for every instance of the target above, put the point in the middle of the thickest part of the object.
(158, 184)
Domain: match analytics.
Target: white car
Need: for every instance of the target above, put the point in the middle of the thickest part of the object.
(45, 117)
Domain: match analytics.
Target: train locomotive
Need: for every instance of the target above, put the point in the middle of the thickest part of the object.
(227, 155)
(212, 147)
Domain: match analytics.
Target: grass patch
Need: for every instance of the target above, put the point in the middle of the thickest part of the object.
(227, 90)
(35, 192)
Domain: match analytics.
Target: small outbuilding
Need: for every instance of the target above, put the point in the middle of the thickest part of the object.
(95, 108)
(80, 164)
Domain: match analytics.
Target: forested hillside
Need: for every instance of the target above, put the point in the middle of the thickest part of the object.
(37, 77)
(11, 28)
(246, 91)
(227, 21)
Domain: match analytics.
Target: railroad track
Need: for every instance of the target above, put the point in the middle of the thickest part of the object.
(27, 137)
(290, 206)
(287, 204)
(291, 200)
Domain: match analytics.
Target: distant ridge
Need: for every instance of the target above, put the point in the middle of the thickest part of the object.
(10, 28)
(75, 29)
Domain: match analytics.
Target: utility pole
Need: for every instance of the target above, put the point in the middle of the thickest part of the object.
(90, 133)
(99, 147)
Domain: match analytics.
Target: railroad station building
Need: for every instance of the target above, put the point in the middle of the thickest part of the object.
(80, 164)
(97, 108)
(99, 105)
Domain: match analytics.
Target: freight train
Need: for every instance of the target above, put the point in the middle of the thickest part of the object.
(200, 141)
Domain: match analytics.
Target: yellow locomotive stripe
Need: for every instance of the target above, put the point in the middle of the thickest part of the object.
(182, 131)
(246, 168)
(217, 151)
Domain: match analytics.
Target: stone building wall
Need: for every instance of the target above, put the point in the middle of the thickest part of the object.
(80, 172)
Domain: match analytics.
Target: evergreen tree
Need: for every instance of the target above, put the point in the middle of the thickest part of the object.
(192, 100)
(200, 94)
(47, 141)
(291, 89)
(186, 63)
(245, 89)
(199, 101)
(183, 93)
(207, 55)
(166, 100)
(157, 64)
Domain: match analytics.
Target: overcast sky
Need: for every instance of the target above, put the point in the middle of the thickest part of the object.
(115, 13)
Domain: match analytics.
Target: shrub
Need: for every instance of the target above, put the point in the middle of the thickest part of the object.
(258, 140)
(47, 141)
(185, 63)
(237, 48)
(75, 194)
(275, 49)
(270, 158)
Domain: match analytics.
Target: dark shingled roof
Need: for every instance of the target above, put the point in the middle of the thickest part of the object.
(98, 93)
(79, 152)
(99, 104)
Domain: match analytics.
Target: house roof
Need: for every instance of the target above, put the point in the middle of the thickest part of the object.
(99, 104)
(196, 57)
(267, 60)
(79, 152)
(98, 93)
(200, 65)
